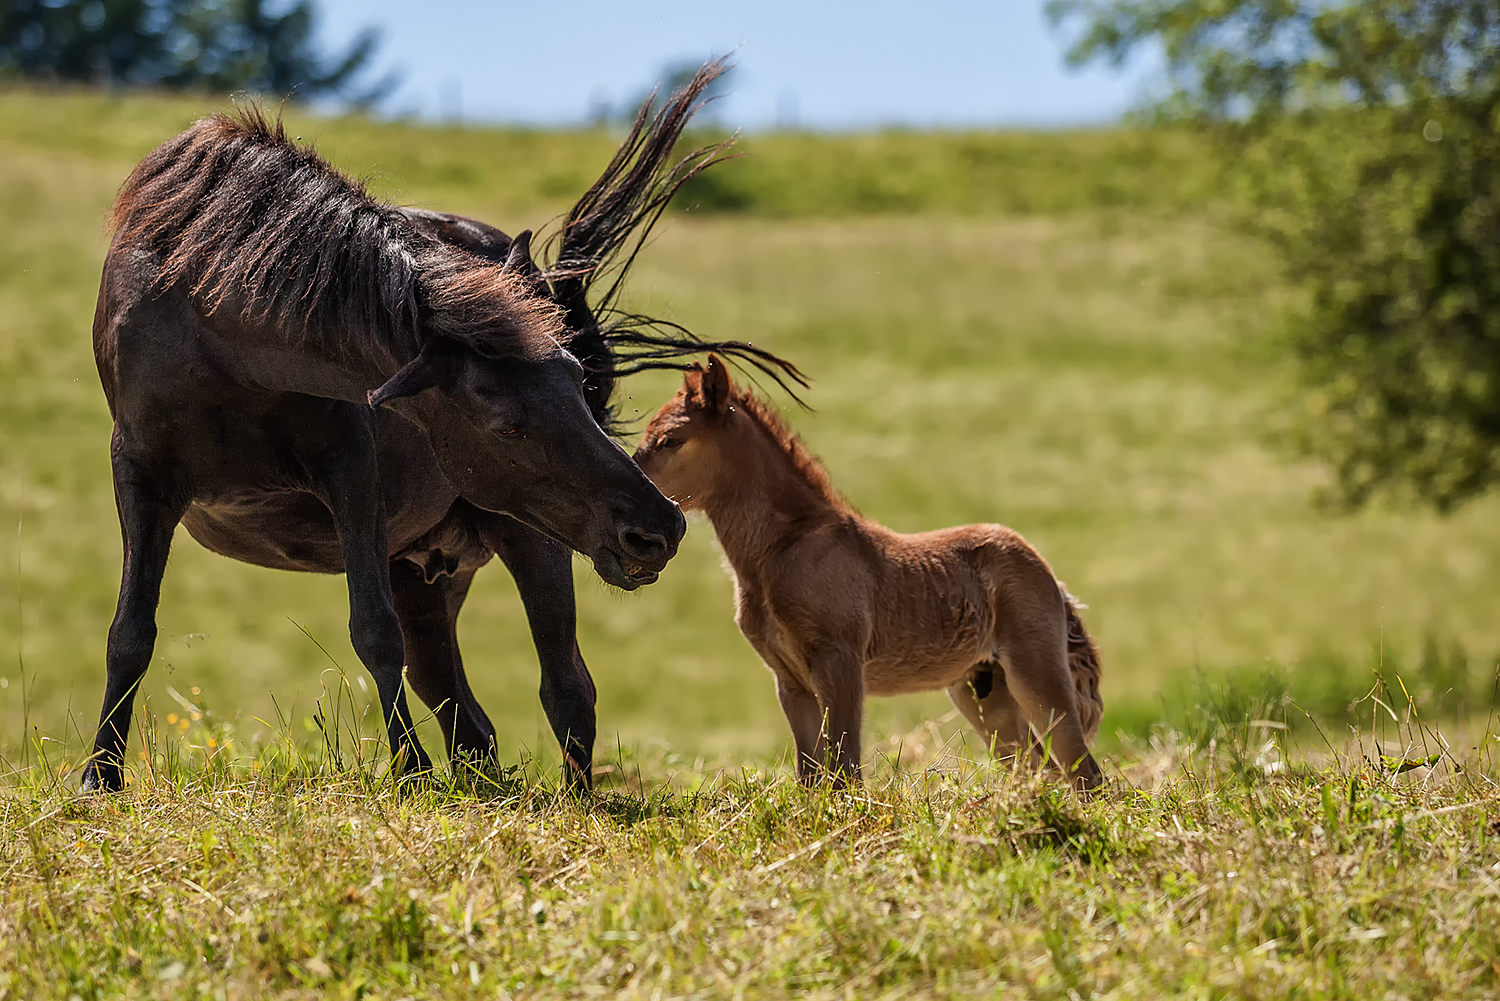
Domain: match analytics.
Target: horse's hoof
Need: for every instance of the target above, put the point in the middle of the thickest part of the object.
(577, 779)
(99, 780)
(477, 772)
(421, 771)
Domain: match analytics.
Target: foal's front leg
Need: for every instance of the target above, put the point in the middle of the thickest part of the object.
(350, 481)
(805, 716)
(838, 679)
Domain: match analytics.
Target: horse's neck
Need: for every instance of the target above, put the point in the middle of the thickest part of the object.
(266, 358)
(763, 503)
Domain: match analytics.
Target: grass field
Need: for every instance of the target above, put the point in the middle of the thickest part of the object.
(1050, 331)
(1223, 873)
(1103, 378)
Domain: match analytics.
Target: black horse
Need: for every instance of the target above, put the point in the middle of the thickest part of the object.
(253, 306)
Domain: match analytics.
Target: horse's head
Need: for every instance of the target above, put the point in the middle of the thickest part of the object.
(515, 434)
(682, 449)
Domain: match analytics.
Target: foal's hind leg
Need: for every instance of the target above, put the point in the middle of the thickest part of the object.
(434, 667)
(149, 511)
(1031, 633)
(1038, 677)
(990, 708)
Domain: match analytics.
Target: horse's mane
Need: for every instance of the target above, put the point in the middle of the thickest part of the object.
(804, 464)
(602, 235)
(247, 219)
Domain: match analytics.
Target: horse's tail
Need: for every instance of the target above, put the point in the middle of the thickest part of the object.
(1083, 659)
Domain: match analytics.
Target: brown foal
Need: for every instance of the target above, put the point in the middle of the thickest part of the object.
(839, 606)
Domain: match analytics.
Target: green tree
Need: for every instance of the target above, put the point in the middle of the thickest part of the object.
(218, 45)
(1365, 135)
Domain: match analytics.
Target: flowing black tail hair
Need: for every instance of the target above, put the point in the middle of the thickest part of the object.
(602, 235)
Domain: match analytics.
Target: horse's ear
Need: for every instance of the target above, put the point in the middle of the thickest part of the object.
(518, 261)
(692, 383)
(716, 390)
(434, 363)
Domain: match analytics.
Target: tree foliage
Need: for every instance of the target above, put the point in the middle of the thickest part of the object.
(218, 45)
(1367, 135)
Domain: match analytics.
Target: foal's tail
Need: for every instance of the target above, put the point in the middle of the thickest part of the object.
(1083, 658)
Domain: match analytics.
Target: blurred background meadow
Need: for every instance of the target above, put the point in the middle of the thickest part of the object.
(1053, 323)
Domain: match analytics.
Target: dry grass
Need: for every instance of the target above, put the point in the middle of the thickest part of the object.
(1236, 870)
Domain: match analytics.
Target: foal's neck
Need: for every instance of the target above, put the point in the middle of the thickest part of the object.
(771, 492)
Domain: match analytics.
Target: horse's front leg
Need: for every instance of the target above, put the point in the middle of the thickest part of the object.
(805, 717)
(543, 571)
(350, 480)
(149, 510)
(837, 674)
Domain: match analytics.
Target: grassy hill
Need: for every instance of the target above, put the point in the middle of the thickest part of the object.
(1045, 330)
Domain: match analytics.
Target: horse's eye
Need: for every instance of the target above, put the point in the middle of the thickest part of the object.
(670, 443)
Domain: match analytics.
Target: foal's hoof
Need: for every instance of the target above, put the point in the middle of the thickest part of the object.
(416, 780)
(1089, 786)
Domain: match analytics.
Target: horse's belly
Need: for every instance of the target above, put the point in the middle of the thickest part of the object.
(283, 530)
(920, 670)
(927, 641)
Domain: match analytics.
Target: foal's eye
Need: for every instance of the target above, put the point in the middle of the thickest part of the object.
(670, 443)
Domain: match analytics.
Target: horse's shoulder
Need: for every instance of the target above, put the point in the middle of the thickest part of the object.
(825, 591)
(837, 551)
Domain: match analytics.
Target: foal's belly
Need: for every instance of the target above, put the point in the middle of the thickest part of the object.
(920, 670)
(929, 635)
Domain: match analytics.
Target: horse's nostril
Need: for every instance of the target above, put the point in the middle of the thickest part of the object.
(647, 545)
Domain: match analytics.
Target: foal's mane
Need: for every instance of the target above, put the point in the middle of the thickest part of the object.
(247, 219)
(602, 235)
(804, 464)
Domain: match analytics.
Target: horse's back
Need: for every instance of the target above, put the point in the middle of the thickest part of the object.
(950, 598)
(931, 609)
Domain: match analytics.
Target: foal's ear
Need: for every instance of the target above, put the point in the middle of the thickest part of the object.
(716, 390)
(692, 384)
(435, 362)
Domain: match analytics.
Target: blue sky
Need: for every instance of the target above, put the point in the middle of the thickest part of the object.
(814, 64)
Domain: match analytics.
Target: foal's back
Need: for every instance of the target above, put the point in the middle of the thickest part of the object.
(942, 601)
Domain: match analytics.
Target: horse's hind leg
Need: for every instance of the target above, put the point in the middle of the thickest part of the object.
(434, 667)
(989, 707)
(1038, 677)
(149, 511)
(543, 571)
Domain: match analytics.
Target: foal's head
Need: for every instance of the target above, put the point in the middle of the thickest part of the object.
(685, 446)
